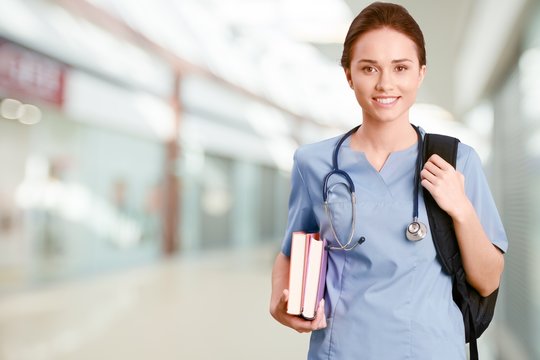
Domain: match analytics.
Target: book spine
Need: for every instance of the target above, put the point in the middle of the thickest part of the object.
(306, 258)
(315, 274)
(322, 275)
(296, 273)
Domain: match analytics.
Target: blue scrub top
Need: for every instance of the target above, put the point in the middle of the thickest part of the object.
(388, 298)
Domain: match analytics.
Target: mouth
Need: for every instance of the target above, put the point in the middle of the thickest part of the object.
(386, 100)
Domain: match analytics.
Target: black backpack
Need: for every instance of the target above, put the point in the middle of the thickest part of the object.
(477, 311)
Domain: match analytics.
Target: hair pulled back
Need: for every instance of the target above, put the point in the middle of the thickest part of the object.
(380, 15)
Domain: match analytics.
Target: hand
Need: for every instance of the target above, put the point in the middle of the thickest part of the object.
(445, 184)
(279, 312)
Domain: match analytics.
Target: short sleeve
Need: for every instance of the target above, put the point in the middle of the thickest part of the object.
(478, 191)
(301, 216)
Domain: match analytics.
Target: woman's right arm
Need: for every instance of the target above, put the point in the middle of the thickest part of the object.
(280, 296)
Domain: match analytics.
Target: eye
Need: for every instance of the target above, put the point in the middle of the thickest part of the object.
(369, 69)
(401, 68)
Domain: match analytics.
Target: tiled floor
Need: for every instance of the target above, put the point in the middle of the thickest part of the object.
(211, 306)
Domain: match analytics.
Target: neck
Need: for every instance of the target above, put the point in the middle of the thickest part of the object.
(384, 137)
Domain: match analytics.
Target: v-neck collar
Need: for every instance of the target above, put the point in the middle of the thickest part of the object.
(386, 168)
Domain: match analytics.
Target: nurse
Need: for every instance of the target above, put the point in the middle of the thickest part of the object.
(388, 298)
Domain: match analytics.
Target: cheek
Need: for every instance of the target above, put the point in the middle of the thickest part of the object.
(363, 86)
(412, 89)
(413, 82)
(363, 95)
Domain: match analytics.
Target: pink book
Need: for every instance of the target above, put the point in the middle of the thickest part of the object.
(315, 276)
(297, 273)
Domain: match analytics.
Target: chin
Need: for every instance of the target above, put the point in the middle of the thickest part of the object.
(388, 117)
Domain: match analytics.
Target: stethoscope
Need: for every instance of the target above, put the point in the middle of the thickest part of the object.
(415, 230)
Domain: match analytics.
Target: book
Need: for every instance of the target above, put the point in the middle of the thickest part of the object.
(315, 281)
(298, 262)
(307, 274)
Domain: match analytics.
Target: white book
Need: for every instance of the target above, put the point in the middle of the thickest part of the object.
(299, 250)
(315, 278)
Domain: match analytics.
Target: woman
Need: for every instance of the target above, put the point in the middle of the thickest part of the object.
(388, 298)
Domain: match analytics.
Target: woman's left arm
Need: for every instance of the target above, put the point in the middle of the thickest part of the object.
(483, 262)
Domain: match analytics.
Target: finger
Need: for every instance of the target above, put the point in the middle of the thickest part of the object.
(439, 162)
(433, 169)
(298, 323)
(285, 295)
(284, 299)
(301, 325)
(320, 319)
(428, 176)
(321, 308)
(427, 185)
(322, 322)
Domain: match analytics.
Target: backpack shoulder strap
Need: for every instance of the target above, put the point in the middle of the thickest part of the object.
(442, 145)
(477, 311)
(441, 225)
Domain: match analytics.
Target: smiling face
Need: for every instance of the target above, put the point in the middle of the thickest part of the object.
(385, 74)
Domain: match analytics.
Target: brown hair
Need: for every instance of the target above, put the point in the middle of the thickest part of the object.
(379, 15)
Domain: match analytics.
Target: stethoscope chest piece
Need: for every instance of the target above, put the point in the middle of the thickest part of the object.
(416, 231)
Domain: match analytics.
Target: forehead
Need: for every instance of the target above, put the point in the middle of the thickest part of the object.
(384, 44)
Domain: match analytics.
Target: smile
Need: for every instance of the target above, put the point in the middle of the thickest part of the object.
(386, 100)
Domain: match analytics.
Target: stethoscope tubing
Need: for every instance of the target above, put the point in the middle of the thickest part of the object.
(420, 228)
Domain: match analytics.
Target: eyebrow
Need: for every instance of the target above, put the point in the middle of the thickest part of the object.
(393, 61)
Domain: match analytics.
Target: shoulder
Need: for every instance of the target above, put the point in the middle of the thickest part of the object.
(321, 150)
(466, 155)
(467, 158)
(465, 150)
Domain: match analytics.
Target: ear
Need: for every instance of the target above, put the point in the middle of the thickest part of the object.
(421, 74)
(348, 76)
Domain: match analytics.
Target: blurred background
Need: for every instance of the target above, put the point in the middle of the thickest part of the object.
(145, 151)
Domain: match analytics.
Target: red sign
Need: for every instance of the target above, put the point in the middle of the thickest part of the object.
(30, 76)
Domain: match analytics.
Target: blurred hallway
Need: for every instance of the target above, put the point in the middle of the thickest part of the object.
(179, 309)
(146, 152)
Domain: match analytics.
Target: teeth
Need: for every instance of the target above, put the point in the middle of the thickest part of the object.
(386, 100)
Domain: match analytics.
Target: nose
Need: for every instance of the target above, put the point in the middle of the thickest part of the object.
(385, 82)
